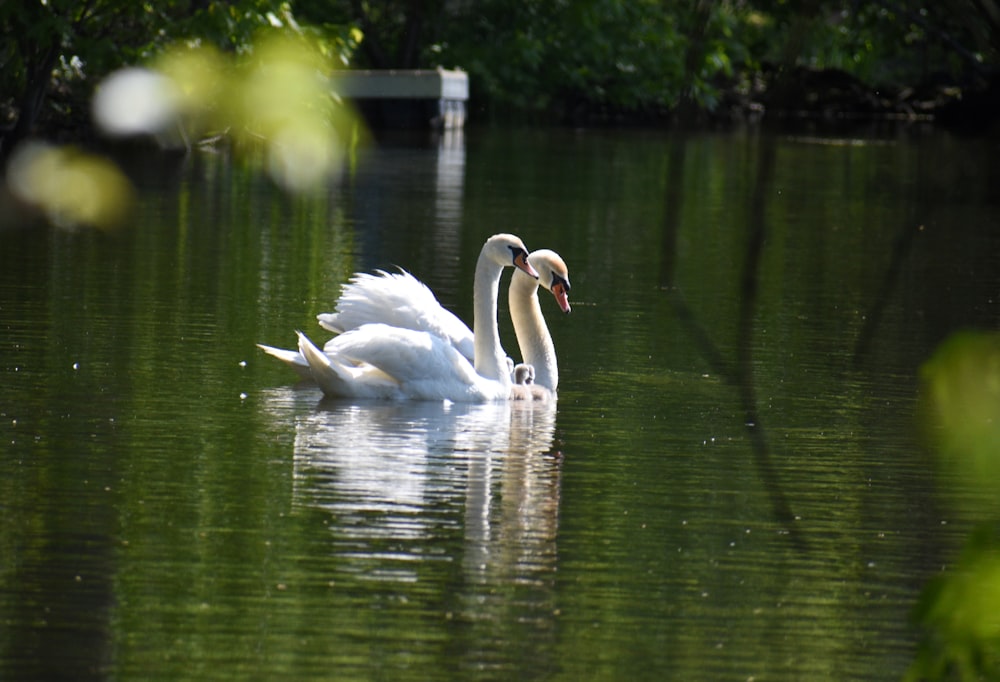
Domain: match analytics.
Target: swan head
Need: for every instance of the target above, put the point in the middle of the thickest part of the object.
(553, 275)
(507, 249)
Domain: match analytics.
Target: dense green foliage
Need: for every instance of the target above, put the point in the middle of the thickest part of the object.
(640, 55)
(562, 59)
(574, 58)
(531, 57)
(60, 49)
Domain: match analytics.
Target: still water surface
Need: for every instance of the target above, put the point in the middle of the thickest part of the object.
(731, 486)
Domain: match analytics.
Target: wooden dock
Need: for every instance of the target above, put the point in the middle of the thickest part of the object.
(406, 98)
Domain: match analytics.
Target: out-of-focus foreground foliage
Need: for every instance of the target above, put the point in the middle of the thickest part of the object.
(55, 52)
(247, 73)
(959, 610)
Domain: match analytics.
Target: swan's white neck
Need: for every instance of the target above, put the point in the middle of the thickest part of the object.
(533, 336)
(490, 359)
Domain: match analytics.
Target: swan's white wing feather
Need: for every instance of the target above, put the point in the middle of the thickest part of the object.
(404, 354)
(398, 300)
(424, 365)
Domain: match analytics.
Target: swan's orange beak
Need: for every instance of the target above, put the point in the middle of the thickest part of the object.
(561, 292)
(521, 263)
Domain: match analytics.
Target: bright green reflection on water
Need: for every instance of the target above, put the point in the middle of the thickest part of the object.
(171, 513)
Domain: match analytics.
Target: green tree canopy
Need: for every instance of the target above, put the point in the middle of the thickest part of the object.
(551, 59)
(557, 58)
(64, 47)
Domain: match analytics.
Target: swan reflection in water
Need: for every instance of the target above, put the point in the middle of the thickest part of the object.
(410, 485)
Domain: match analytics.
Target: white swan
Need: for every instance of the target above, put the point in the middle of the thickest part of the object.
(401, 300)
(379, 361)
(537, 378)
(399, 342)
(391, 362)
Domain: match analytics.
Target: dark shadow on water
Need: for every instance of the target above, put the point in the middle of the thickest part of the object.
(739, 373)
(901, 249)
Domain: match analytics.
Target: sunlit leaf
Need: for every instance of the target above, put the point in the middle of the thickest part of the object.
(274, 102)
(283, 98)
(199, 75)
(72, 188)
(135, 101)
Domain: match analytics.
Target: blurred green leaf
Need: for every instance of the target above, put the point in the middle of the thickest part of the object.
(959, 612)
(961, 400)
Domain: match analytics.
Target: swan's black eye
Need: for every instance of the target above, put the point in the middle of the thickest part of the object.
(557, 280)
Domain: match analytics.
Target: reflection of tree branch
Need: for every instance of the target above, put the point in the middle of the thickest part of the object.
(899, 251)
(668, 261)
(701, 338)
(741, 376)
(744, 350)
(673, 201)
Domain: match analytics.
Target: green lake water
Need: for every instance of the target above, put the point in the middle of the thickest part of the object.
(731, 487)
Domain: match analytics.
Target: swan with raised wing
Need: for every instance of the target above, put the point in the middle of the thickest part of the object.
(376, 360)
(401, 300)
(398, 340)
(384, 360)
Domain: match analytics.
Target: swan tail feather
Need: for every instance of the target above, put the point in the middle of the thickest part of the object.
(324, 370)
(292, 359)
(344, 377)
